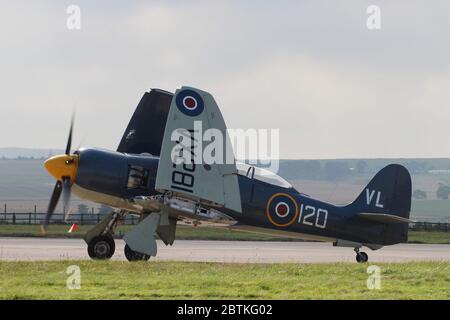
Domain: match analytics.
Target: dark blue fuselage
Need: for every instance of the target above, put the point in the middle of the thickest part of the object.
(264, 206)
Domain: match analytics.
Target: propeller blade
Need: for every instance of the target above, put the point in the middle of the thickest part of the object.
(68, 213)
(69, 140)
(66, 190)
(81, 143)
(53, 202)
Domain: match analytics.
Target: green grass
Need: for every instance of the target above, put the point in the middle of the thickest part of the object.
(26, 230)
(191, 233)
(191, 280)
(428, 237)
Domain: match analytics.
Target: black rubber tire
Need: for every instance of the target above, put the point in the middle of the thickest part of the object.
(132, 255)
(101, 247)
(362, 257)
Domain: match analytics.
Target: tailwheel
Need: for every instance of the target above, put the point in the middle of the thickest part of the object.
(361, 257)
(101, 247)
(132, 255)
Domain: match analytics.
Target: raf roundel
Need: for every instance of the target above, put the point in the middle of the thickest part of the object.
(190, 103)
(282, 210)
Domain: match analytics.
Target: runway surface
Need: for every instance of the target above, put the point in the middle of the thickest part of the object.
(224, 251)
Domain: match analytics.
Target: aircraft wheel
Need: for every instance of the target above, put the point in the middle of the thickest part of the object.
(362, 257)
(132, 255)
(101, 247)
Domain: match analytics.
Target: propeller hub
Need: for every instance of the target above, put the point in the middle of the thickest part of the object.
(62, 166)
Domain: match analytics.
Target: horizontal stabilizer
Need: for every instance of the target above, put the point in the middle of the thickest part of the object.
(384, 218)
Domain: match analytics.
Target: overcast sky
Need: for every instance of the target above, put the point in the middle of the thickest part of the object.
(313, 69)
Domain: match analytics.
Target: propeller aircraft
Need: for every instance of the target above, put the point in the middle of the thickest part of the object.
(146, 177)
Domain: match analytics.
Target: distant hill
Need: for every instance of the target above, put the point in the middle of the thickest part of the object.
(27, 153)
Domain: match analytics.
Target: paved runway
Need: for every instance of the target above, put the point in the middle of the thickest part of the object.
(224, 251)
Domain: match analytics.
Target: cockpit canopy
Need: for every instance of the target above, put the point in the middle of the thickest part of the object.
(261, 175)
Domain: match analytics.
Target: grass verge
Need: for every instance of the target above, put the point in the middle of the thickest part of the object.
(192, 280)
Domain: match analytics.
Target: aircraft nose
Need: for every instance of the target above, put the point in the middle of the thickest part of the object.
(62, 166)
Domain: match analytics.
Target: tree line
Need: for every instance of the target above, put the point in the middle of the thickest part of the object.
(336, 170)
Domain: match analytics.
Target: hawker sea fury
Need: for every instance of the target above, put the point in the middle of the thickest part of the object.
(150, 175)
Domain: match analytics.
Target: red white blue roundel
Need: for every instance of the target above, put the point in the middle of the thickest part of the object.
(282, 210)
(190, 103)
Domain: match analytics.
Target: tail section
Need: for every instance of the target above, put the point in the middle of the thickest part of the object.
(386, 200)
(389, 192)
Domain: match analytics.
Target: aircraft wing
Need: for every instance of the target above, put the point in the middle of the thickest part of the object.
(145, 130)
(213, 183)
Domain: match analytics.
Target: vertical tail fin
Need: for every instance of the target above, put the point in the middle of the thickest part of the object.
(386, 200)
(389, 192)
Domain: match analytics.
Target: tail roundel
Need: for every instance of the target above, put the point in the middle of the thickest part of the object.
(387, 197)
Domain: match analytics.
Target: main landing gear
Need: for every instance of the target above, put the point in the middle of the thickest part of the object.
(100, 239)
(101, 247)
(361, 257)
(132, 255)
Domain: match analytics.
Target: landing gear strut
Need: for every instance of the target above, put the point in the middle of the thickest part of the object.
(132, 255)
(101, 247)
(100, 239)
(361, 257)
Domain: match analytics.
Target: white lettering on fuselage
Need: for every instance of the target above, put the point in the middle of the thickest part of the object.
(369, 197)
(313, 217)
